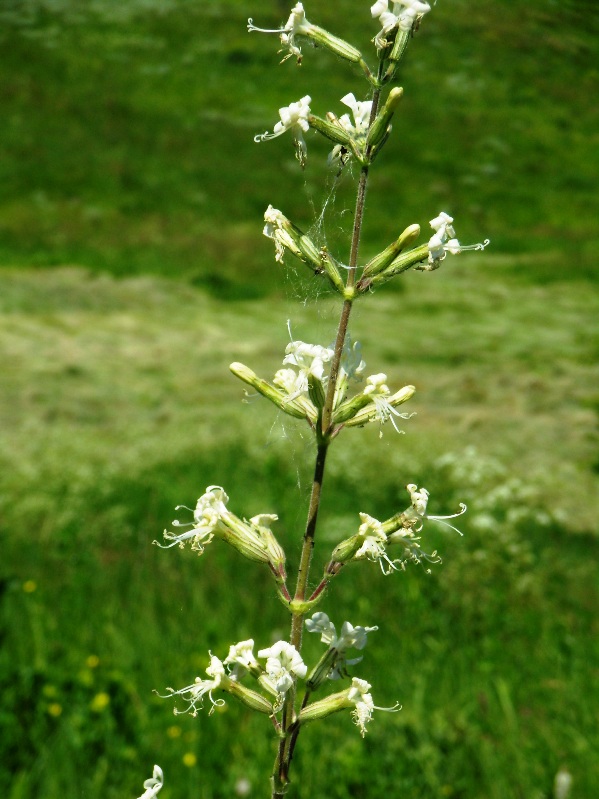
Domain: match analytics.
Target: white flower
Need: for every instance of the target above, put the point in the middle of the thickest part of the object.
(419, 499)
(194, 694)
(403, 16)
(375, 539)
(352, 365)
(310, 360)
(358, 694)
(241, 658)
(562, 784)
(361, 111)
(296, 25)
(378, 391)
(294, 117)
(274, 229)
(154, 784)
(211, 518)
(358, 129)
(364, 706)
(442, 225)
(350, 637)
(208, 514)
(443, 240)
(283, 663)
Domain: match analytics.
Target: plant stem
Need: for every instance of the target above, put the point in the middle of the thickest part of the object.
(323, 436)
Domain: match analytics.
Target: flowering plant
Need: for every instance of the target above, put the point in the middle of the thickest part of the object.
(318, 384)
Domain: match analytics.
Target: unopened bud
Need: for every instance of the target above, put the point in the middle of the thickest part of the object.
(383, 259)
(399, 45)
(346, 550)
(250, 698)
(275, 552)
(330, 128)
(316, 391)
(379, 127)
(325, 707)
(404, 262)
(334, 44)
(348, 409)
(243, 538)
(299, 408)
(321, 671)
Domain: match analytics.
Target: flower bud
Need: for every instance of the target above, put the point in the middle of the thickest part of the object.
(348, 409)
(330, 267)
(379, 127)
(250, 698)
(401, 264)
(275, 552)
(346, 549)
(244, 538)
(316, 391)
(383, 259)
(399, 45)
(325, 707)
(331, 129)
(299, 407)
(334, 44)
(321, 671)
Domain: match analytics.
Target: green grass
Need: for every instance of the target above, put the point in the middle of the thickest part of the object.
(133, 270)
(117, 405)
(127, 139)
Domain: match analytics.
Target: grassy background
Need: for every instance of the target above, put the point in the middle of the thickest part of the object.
(133, 270)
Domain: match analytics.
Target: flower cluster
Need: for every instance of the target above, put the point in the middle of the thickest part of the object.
(211, 519)
(284, 666)
(374, 537)
(299, 388)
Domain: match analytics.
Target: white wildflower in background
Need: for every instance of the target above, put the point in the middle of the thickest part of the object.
(154, 784)
(294, 117)
(352, 364)
(562, 784)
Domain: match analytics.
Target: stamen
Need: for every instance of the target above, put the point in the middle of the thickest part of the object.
(253, 28)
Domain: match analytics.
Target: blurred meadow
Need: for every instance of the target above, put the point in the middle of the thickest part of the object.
(133, 270)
